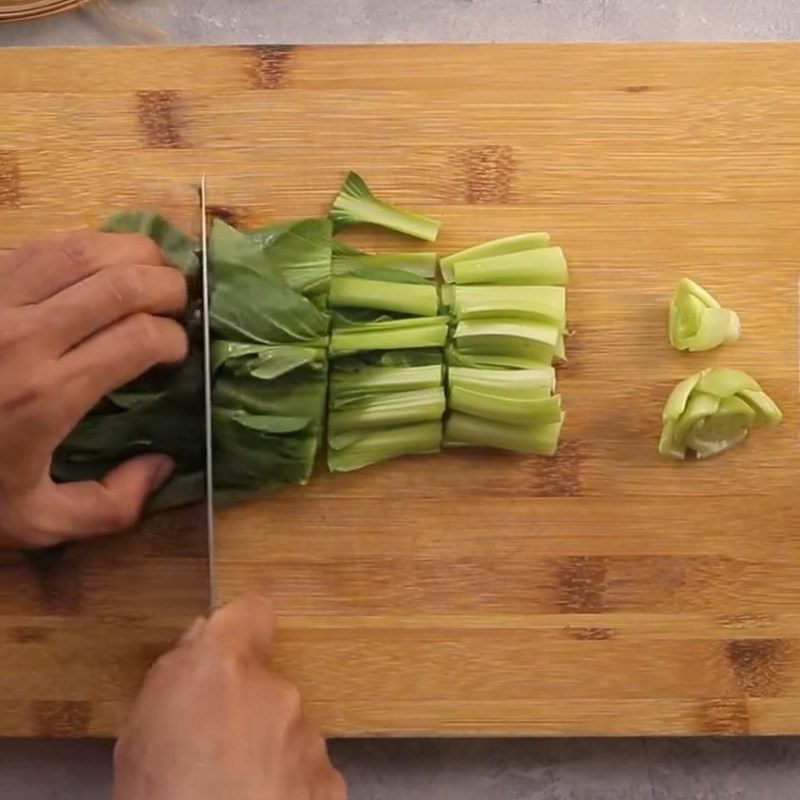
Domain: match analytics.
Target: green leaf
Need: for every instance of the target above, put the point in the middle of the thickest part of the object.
(178, 249)
(419, 265)
(301, 251)
(251, 300)
(355, 204)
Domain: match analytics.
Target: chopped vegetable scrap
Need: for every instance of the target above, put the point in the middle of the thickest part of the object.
(712, 411)
(698, 322)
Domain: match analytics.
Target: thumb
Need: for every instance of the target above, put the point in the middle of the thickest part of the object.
(111, 505)
(244, 628)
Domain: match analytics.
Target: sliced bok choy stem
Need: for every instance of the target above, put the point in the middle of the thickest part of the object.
(355, 204)
(422, 264)
(362, 448)
(544, 266)
(387, 410)
(535, 342)
(545, 303)
(404, 298)
(466, 429)
(712, 411)
(697, 322)
(395, 334)
(498, 247)
(384, 379)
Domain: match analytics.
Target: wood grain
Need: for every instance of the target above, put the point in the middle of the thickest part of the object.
(601, 592)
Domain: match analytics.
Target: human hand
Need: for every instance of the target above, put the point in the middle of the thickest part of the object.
(77, 320)
(212, 722)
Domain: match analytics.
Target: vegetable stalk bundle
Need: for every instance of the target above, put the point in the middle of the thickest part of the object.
(386, 391)
(507, 302)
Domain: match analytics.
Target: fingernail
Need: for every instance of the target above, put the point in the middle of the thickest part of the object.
(161, 473)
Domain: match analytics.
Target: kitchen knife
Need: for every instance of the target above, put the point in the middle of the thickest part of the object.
(205, 277)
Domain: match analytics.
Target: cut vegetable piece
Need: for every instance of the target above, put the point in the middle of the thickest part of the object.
(466, 429)
(405, 298)
(355, 204)
(697, 322)
(370, 447)
(725, 382)
(505, 409)
(387, 410)
(178, 249)
(498, 247)
(393, 334)
(712, 411)
(489, 360)
(546, 303)
(534, 341)
(372, 380)
(767, 412)
(264, 361)
(545, 266)
(524, 384)
(301, 251)
(422, 264)
(251, 300)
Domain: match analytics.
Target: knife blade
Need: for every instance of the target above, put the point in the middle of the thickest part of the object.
(205, 277)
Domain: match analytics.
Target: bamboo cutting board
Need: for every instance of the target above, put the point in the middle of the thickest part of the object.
(601, 592)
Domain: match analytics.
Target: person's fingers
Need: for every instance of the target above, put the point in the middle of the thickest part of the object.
(43, 268)
(93, 508)
(244, 628)
(330, 785)
(193, 632)
(113, 357)
(109, 295)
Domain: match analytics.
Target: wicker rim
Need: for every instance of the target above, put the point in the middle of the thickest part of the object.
(19, 10)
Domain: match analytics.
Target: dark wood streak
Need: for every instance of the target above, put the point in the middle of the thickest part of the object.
(161, 119)
(580, 584)
(638, 88)
(589, 634)
(758, 665)
(225, 213)
(59, 581)
(269, 65)
(724, 717)
(486, 173)
(27, 634)
(61, 718)
(557, 476)
(10, 191)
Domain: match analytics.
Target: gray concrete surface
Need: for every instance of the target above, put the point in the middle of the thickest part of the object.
(447, 770)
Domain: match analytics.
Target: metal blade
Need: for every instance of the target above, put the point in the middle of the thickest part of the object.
(207, 399)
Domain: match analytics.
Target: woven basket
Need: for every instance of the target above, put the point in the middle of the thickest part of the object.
(18, 10)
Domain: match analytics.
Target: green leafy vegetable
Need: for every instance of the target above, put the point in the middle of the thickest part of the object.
(411, 298)
(530, 342)
(697, 322)
(178, 249)
(539, 267)
(251, 299)
(393, 334)
(362, 448)
(543, 303)
(301, 251)
(498, 247)
(355, 204)
(712, 411)
(466, 429)
(161, 412)
(422, 264)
